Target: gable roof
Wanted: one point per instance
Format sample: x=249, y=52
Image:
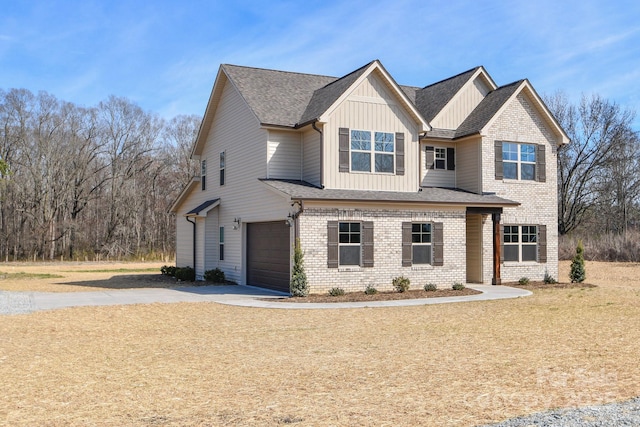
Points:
x=431, y=99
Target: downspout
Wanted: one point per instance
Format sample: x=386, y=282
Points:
x=321, y=153
x=194, y=241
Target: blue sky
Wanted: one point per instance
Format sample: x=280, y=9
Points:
x=164, y=55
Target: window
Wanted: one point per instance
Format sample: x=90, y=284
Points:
x=440, y=158
x=222, y=167
x=203, y=174
x=421, y=243
x=378, y=157
x=520, y=243
x=221, y=246
x=519, y=161
x=349, y=243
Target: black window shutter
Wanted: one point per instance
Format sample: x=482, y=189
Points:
x=542, y=243
x=541, y=164
x=399, y=153
x=451, y=159
x=438, y=244
x=407, y=256
x=501, y=244
x=343, y=142
x=430, y=155
x=367, y=244
x=498, y=156
x=332, y=244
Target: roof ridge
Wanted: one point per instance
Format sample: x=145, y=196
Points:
x=337, y=79
x=453, y=77
x=280, y=71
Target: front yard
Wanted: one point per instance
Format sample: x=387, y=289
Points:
x=439, y=365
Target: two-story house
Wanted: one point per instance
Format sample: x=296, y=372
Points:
x=452, y=182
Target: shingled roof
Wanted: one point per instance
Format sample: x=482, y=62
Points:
x=431, y=99
x=301, y=190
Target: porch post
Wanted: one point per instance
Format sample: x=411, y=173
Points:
x=497, y=244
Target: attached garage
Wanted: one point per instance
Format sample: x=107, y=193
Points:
x=268, y=255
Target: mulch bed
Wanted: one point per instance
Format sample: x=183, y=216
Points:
x=541, y=285
x=381, y=296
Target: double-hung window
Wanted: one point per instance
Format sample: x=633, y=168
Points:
x=221, y=244
x=222, y=167
x=520, y=243
x=376, y=157
x=440, y=158
x=421, y=243
x=349, y=243
x=203, y=174
x=519, y=161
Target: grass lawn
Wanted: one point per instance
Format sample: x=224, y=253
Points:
x=438, y=365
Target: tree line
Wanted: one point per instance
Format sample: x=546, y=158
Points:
x=89, y=182
x=97, y=182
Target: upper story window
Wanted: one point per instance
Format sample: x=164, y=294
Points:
x=222, y=167
x=203, y=174
x=377, y=157
x=519, y=161
x=442, y=158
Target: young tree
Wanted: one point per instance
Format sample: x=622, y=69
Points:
x=298, y=286
x=578, y=272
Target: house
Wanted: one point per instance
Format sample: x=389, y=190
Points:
x=452, y=182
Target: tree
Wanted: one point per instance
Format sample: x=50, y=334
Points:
x=578, y=273
x=298, y=285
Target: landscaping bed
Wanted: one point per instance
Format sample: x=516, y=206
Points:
x=381, y=296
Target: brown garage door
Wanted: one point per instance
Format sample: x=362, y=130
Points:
x=268, y=255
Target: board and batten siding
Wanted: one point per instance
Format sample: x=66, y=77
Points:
x=311, y=156
x=469, y=166
x=372, y=107
x=284, y=152
x=462, y=104
x=236, y=131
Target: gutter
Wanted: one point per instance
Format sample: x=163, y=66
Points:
x=194, y=241
x=313, y=125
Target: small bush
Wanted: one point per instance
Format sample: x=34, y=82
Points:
x=401, y=284
x=336, y=292
x=549, y=279
x=430, y=287
x=578, y=273
x=168, y=270
x=370, y=290
x=298, y=286
x=457, y=286
x=185, y=274
x=216, y=276
x=523, y=281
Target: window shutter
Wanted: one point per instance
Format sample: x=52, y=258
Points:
x=501, y=244
x=332, y=244
x=343, y=141
x=498, y=157
x=430, y=154
x=541, y=164
x=451, y=159
x=399, y=153
x=438, y=244
x=367, y=244
x=542, y=243
x=406, y=245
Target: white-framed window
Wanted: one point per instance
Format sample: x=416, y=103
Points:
x=519, y=161
x=421, y=252
x=349, y=243
x=377, y=157
x=222, y=167
x=440, y=158
x=203, y=174
x=221, y=244
x=520, y=243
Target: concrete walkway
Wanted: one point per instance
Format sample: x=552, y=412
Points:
x=245, y=296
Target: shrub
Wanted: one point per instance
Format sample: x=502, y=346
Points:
x=578, y=273
x=401, y=284
x=549, y=279
x=370, y=290
x=298, y=287
x=430, y=287
x=168, y=270
x=185, y=274
x=523, y=281
x=336, y=292
x=216, y=276
x=457, y=286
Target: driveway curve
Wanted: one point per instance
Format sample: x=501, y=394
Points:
x=238, y=295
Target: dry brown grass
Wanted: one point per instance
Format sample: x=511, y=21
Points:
x=438, y=365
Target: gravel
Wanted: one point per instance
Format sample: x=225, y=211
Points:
x=612, y=415
x=15, y=302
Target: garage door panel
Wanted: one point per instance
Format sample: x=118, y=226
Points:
x=268, y=255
